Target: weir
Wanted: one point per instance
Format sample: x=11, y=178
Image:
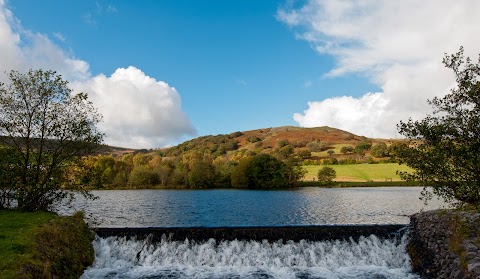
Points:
x=274, y=233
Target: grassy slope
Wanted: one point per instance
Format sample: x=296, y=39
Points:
x=16, y=238
x=360, y=172
x=42, y=244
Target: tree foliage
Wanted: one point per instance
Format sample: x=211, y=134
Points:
x=445, y=147
x=326, y=174
x=264, y=171
x=379, y=150
x=44, y=128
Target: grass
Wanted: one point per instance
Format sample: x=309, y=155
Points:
x=336, y=148
x=360, y=172
x=16, y=238
x=43, y=245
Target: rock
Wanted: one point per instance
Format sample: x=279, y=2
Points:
x=430, y=244
x=474, y=268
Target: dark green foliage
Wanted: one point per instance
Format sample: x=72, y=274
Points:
x=304, y=153
x=201, y=175
x=239, y=176
x=347, y=149
x=262, y=171
x=447, y=155
x=265, y=171
x=318, y=146
x=362, y=147
x=282, y=143
x=143, y=176
x=236, y=135
x=49, y=128
x=326, y=174
x=379, y=150
x=253, y=139
x=330, y=161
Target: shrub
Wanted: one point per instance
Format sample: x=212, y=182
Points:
x=326, y=174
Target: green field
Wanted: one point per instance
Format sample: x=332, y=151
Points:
x=360, y=172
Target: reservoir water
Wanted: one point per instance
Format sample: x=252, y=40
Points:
x=224, y=207
x=369, y=257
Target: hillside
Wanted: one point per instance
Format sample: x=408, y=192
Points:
x=287, y=153
x=272, y=140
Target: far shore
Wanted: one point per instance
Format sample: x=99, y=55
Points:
x=334, y=184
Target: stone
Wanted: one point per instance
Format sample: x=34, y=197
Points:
x=469, y=247
x=474, y=268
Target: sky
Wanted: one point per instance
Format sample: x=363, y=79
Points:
x=161, y=72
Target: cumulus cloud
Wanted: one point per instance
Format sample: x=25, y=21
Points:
x=398, y=45
x=138, y=111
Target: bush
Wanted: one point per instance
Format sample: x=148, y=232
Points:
x=253, y=139
x=379, y=150
x=347, y=149
x=326, y=174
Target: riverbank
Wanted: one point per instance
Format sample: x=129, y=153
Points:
x=43, y=245
x=445, y=244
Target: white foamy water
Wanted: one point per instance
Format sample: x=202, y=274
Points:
x=370, y=257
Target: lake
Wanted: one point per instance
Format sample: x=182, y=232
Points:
x=369, y=257
x=228, y=207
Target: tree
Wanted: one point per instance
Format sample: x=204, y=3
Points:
x=362, y=147
x=447, y=150
x=379, y=150
x=347, y=149
x=201, y=174
x=263, y=171
x=326, y=174
x=266, y=171
x=143, y=175
x=48, y=128
x=330, y=152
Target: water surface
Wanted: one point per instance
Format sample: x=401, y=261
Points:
x=225, y=207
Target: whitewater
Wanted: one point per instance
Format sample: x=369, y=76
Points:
x=369, y=257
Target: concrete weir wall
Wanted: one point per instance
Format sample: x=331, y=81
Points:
x=295, y=233
x=445, y=244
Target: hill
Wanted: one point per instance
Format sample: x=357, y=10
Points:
x=230, y=160
x=287, y=140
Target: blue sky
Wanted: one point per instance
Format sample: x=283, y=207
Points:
x=164, y=71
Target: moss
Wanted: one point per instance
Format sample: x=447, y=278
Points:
x=44, y=245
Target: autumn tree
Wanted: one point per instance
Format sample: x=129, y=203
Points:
x=447, y=153
x=47, y=128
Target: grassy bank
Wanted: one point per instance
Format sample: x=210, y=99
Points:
x=360, y=172
x=339, y=184
x=43, y=245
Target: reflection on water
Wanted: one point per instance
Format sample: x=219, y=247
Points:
x=225, y=207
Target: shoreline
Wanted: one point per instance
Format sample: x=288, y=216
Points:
x=301, y=184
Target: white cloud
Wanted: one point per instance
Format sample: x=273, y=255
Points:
x=398, y=45
x=138, y=110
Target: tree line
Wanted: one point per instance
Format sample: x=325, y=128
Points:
x=190, y=170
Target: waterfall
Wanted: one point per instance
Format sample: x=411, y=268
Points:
x=369, y=257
